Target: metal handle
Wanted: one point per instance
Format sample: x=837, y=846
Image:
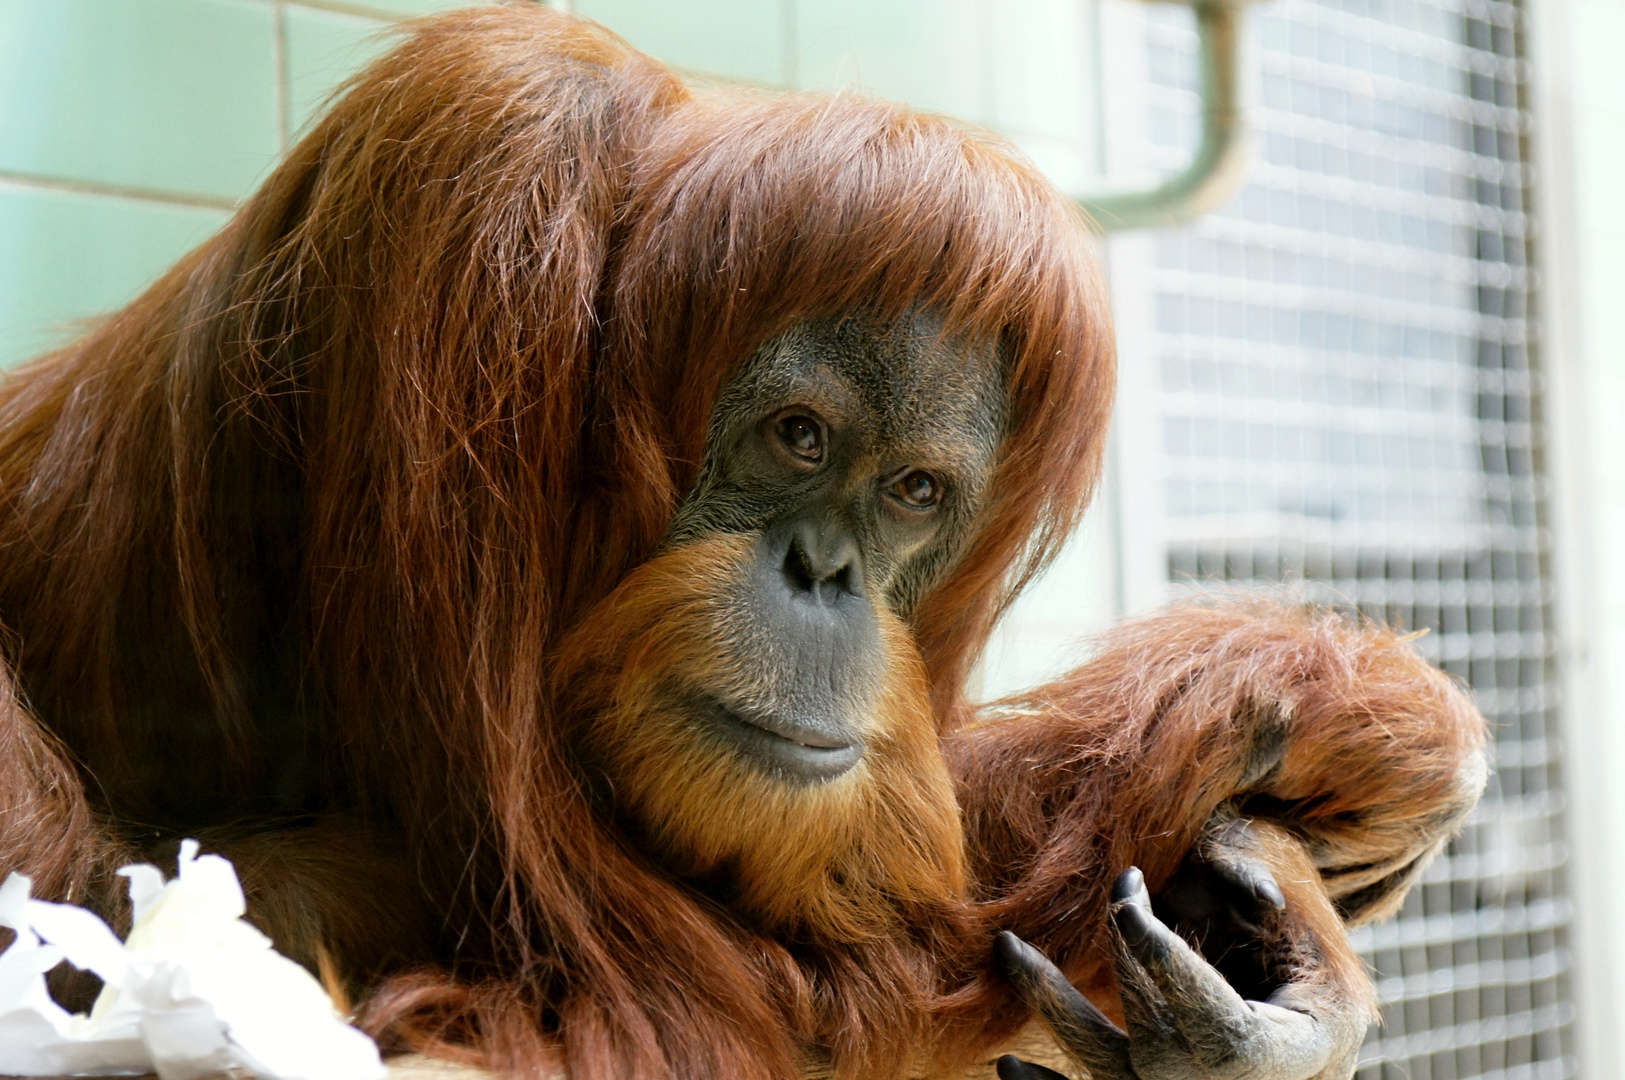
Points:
x=1220, y=163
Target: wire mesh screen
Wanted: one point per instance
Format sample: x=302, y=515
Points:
x=1349, y=398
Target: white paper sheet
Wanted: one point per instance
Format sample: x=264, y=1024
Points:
x=195, y=990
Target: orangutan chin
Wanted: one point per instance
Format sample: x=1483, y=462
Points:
x=543, y=540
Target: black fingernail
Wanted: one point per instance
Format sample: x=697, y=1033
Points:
x=1019, y=962
x=1269, y=892
x=1010, y=1067
x=1007, y=949
x=1133, y=921
x=1128, y=883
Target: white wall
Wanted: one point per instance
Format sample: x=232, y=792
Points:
x=1578, y=48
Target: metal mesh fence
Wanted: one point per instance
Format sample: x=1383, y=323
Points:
x=1349, y=397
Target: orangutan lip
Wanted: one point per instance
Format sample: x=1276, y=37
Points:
x=786, y=748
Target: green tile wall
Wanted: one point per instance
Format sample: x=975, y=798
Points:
x=173, y=95
x=68, y=255
x=1024, y=67
x=129, y=128
x=928, y=52
x=397, y=8
x=320, y=49
x=732, y=39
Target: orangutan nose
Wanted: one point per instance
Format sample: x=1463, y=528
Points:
x=821, y=562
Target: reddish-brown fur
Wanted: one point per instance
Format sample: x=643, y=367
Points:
x=385, y=465
x=1126, y=760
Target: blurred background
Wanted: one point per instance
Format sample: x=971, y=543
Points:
x=1388, y=373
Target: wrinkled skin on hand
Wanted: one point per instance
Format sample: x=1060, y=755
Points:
x=1239, y=968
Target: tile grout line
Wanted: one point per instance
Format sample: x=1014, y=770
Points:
x=10, y=178
x=368, y=11
x=344, y=7
x=279, y=58
x=789, y=46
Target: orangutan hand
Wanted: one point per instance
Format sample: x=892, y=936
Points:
x=1274, y=1008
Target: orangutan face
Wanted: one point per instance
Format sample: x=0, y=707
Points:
x=761, y=711
x=855, y=458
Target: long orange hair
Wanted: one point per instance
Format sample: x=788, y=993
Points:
x=356, y=467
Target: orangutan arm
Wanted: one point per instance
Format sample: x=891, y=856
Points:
x=1354, y=756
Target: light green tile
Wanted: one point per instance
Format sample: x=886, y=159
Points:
x=1042, y=636
x=1601, y=137
x=733, y=39
x=66, y=256
x=1599, y=34
x=323, y=49
x=935, y=54
x=1605, y=267
x=1611, y=518
x=177, y=95
x=414, y=7
x=1069, y=163
x=1041, y=66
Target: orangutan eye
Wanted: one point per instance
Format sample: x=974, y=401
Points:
x=918, y=489
x=803, y=436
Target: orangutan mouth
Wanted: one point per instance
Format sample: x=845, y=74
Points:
x=809, y=753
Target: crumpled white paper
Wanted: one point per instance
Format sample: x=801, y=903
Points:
x=194, y=991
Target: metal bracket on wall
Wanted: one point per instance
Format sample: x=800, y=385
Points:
x=1219, y=166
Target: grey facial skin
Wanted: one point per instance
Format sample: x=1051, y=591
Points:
x=857, y=456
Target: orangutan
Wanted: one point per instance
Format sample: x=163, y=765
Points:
x=543, y=540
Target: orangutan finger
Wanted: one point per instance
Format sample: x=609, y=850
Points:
x=1167, y=987
x=1233, y=853
x=1081, y=1029
x=1186, y=1020
x=1010, y=1067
